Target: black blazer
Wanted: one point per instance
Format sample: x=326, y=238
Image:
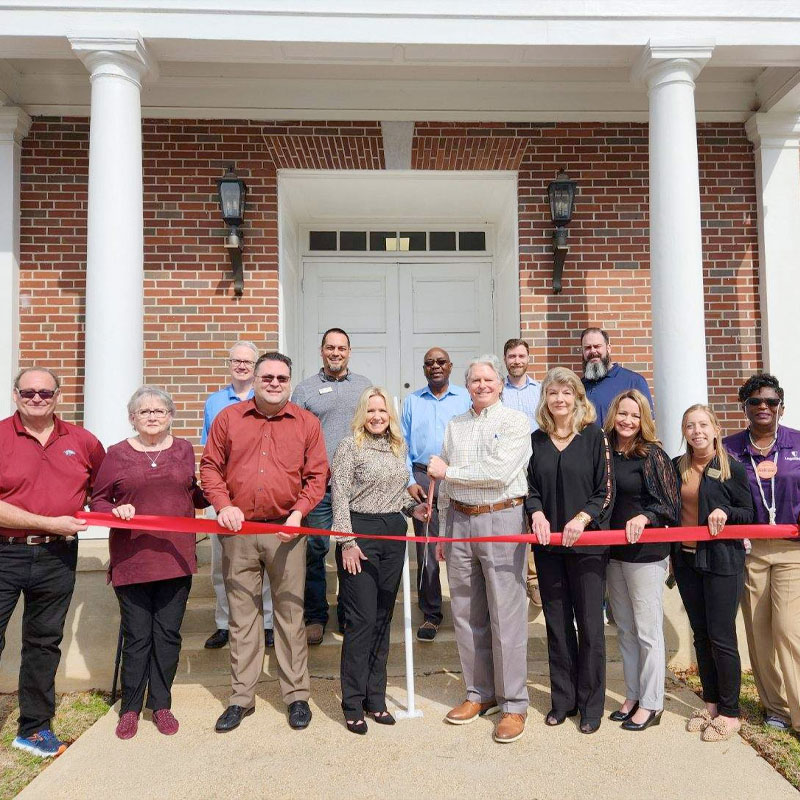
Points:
x=724, y=556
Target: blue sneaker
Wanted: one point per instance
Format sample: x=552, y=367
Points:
x=44, y=744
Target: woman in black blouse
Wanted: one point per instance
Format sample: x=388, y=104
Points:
x=570, y=489
x=647, y=494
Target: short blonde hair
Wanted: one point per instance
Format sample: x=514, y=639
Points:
x=685, y=461
x=584, y=413
x=646, y=435
x=394, y=434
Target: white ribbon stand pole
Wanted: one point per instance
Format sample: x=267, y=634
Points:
x=411, y=710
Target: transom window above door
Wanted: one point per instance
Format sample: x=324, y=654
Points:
x=353, y=240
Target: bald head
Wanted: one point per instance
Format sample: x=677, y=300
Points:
x=437, y=367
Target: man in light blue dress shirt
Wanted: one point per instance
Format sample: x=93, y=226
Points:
x=425, y=415
x=241, y=360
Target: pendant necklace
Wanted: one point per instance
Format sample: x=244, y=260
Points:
x=763, y=450
x=153, y=461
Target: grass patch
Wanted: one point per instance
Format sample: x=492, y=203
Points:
x=75, y=712
x=779, y=748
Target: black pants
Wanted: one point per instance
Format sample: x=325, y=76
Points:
x=572, y=586
x=711, y=602
x=45, y=575
x=429, y=585
x=368, y=600
x=151, y=614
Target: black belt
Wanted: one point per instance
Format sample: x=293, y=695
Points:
x=36, y=539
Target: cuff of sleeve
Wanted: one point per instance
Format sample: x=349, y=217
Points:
x=345, y=542
x=220, y=501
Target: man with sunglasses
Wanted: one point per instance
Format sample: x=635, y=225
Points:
x=424, y=418
x=241, y=360
x=265, y=461
x=46, y=471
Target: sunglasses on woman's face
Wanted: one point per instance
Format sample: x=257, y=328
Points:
x=755, y=402
x=29, y=394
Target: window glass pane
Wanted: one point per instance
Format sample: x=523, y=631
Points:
x=322, y=240
x=352, y=240
x=472, y=240
x=377, y=240
x=412, y=240
x=443, y=240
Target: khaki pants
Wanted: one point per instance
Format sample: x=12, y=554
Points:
x=771, y=605
x=244, y=560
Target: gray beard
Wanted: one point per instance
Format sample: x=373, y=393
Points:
x=596, y=370
x=335, y=368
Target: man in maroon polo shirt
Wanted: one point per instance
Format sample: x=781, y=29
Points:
x=265, y=460
x=46, y=469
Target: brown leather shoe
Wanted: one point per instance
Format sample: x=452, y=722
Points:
x=468, y=712
x=509, y=728
x=314, y=633
x=534, y=594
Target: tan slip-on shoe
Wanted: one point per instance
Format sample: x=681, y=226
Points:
x=509, y=728
x=698, y=721
x=719, y=731
x=468, y=712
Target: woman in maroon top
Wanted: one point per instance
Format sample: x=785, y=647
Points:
x=152, y=472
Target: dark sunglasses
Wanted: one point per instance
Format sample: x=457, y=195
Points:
x=755, y=402
x=270, y=378
x=442, y=362
x=29, y=394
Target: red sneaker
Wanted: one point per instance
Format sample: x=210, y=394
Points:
x=165, y=721
x=128, y=725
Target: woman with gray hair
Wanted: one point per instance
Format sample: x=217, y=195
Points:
x=152, y=472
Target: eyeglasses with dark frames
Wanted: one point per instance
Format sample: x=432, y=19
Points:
x=429, y=362
x=29, y=394
x=282, y=379
x=158, y=413
x=755, y=402
x=241, y=362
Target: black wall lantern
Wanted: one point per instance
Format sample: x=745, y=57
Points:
x=232, y=195
x=561, y=192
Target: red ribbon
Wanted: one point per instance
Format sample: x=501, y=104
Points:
x=143, y=522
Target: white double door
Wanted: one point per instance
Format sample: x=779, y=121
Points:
x=394, y=312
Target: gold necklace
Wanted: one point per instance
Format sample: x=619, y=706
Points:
x=559, y=438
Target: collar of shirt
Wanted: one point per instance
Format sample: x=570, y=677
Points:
x=486, y=412
x=233, y=397
x=59, y=428
x=528, y=382
x=427, y=390
x=253, y=411
x=330, y=378
x=785, y=441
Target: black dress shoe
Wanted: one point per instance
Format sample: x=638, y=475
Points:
x=299, y=715
x=589, y=725
x=554, y=717
x=231, y=718
x=217, y=639
x=621, y=716
x=269, y=637
x=653, y=719
x=382, y=717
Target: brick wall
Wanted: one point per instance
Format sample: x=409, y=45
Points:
x=191, y=314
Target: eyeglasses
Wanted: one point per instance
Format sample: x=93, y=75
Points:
x=29, y=394
x=241, y=362
x=755, y=402
x=429, y=362
x=282, y=379
x=158, y=413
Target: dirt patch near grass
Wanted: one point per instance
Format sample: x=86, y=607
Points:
x=779, y=748
x=75, y=712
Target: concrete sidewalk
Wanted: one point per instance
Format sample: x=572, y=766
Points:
x=416, y=758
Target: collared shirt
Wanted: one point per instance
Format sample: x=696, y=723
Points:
x=333, y=401
x=52, y=480
x=523, y=398
x=424, y=419
x=266, y=466
x=216, y=402
x=487, y=455
x=618, y=379
x=787, y=479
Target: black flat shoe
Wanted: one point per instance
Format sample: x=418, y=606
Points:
x=382, y=717
x=653, y=719
x=590, y=725
x=358, y=726
x=299, y=715
x=554, y=717
x=231, y=717
x=621, y=716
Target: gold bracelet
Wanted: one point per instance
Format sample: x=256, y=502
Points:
x=583, y=517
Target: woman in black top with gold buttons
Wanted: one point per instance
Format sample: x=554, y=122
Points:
x=647, y=495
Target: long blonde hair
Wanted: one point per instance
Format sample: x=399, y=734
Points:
x=685, y=461
x=584, y=413
x=393, y=433
x=645, y=436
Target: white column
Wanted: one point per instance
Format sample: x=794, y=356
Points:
x=676, y=258
x=114, y=249
x=14, y=126
x=776, y=140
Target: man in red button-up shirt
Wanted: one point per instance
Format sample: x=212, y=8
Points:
x=265, y=460
x=46, y=469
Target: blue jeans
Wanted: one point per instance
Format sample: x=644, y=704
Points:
x=316, y=602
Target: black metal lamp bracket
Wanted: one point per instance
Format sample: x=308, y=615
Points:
x=560, y=251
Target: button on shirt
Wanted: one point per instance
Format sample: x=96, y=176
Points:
x=52, y=480
x=523, y=398
x=333, y=402
x=424, y=419
x=266, y=466
x=216, y=402
x=487, y=455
